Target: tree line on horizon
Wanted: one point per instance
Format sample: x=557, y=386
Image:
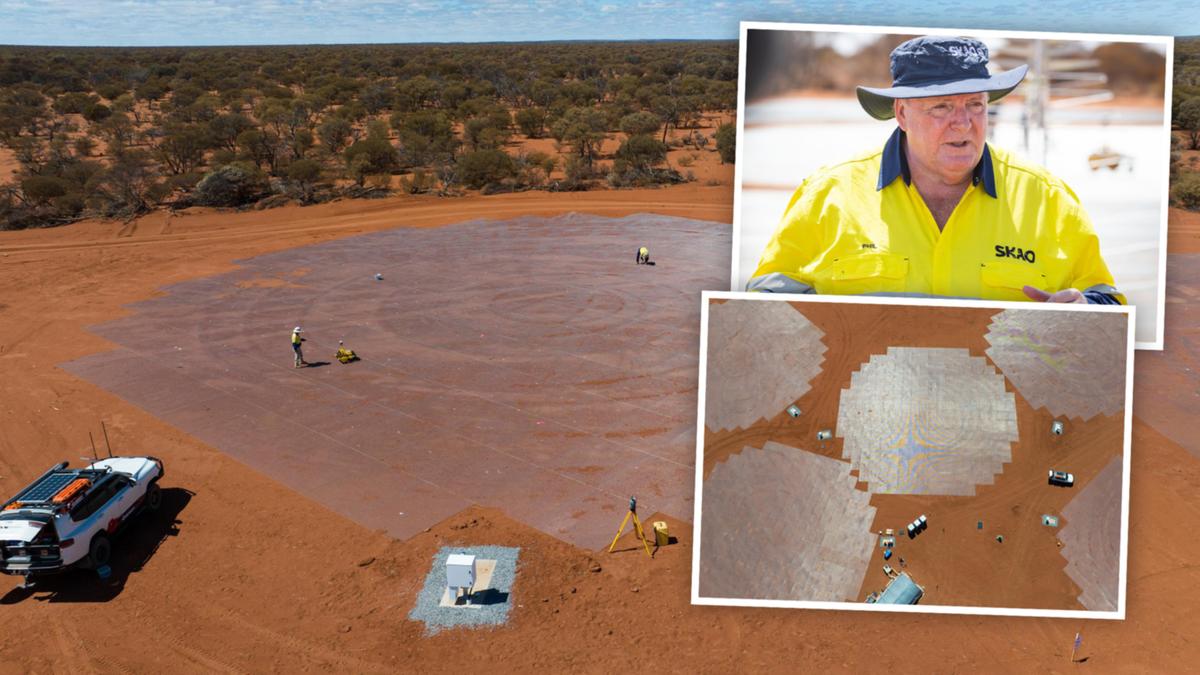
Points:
x=1185, y=117
x=116, y=132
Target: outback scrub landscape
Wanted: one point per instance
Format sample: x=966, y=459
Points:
x=119, y=132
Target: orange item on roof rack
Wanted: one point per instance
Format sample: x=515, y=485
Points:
x=13, y=506
x=73, y=488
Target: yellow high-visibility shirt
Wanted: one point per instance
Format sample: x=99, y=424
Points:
x=861, y=227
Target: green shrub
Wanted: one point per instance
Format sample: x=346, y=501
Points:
x=41, y=189
x=420, y=182
x=69, y=205
x=642, y=151
x=726, y=138
x=482, y=167
x=372, y=155
x=97, y=112
x=531, y=122
x=638, y=123
x=73, y=103
x=1185, y=192
x=231, y=185
x=304, y=170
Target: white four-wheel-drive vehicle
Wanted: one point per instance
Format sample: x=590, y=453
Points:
x=68, y=516
x=1061, y=478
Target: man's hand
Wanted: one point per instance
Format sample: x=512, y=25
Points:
x=1068, y=295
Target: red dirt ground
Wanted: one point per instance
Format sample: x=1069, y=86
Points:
x=1183, y=232
x=254, y=577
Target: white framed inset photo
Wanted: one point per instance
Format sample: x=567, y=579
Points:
x=887, y=454
x=972, y=164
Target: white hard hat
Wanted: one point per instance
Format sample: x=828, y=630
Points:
x=297, y=330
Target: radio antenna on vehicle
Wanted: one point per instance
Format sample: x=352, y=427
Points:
x=94, y=455
x=106, y=444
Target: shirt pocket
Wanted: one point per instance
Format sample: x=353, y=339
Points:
x=1005, y=279
x=864, y=273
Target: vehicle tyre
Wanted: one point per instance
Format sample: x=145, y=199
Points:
x=99, y=551
x=153, y=497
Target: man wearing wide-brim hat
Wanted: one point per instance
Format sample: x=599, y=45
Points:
x=937, y=211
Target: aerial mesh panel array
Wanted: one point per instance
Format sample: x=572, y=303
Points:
x=784, y=524
x=931, y=421
x=1092, y=539
x=1070, y=363
x=761, y=357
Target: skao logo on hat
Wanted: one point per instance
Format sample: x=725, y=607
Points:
x=938, y=66
x=969, y=55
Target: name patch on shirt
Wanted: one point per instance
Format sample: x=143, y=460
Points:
x=1014, y=252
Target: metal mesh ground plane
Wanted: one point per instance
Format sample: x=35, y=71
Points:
x=528, y=365
x=761, y=357
x=1092, y=539
x=1177, y=367
x=784, y=524
x=1070, y=363
x=929, y=421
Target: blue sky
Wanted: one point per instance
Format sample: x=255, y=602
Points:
x=216, y=22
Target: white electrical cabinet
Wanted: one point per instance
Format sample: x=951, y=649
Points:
x=460, y=572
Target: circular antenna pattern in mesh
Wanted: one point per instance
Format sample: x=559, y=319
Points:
x=762, y=355
x=928, y=421
x=1070, y=363
x=784, y=524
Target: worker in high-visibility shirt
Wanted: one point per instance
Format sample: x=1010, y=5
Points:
x=297, y=352
x=937, y=211
x=643, y=255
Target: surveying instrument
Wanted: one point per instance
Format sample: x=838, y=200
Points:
x=637, y=527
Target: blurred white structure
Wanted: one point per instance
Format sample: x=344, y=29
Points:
x=460, y=575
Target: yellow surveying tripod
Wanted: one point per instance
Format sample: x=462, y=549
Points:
x=637, y=527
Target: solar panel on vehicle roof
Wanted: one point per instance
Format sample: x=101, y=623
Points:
x=44, y=490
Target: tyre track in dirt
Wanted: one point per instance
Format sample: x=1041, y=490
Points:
x=326, y=658
x=72, y=652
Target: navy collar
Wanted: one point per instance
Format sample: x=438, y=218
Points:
x=895, y=164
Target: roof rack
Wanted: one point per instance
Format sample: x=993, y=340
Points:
x=55, y=487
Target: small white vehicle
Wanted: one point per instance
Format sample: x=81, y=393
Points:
x=1062, y=478
x=67, y=517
